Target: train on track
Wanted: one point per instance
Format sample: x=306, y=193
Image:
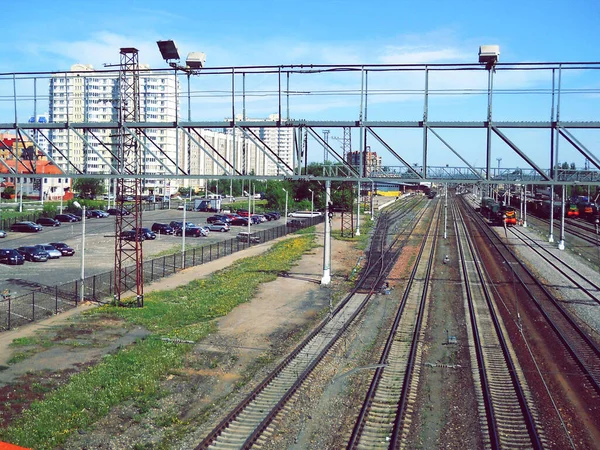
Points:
x=498, y=213
x=583, y=210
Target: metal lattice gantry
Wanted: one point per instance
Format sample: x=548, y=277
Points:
x=129, y=272
x=427, y=123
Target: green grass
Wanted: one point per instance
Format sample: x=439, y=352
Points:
x=133, y=374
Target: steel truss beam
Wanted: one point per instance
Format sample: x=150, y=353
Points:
x=131, y=129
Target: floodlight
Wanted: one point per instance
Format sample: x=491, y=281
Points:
x=168, y=50
x=489, y=54
x=195, y=60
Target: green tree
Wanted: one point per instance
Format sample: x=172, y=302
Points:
x=88, y=187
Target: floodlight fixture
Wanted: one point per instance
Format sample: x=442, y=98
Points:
x=488, y=55
x=168, y=50
x=195, y=60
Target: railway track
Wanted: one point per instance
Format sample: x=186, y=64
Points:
x=505, y=400
x=581, y=231
x=586, y=286
x=385, y=414
x=576, y=341
x=249, y=422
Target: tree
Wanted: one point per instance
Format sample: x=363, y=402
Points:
x=88, y=187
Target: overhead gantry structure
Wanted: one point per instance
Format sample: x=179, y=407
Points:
x=375, y=98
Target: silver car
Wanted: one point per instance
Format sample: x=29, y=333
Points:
x=218, y=226
x=2, y=234
x=53, y=252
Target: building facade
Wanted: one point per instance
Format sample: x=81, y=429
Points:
x=371, y=162
x=85, y=95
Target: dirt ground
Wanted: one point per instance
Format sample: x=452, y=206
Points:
x=266, y=327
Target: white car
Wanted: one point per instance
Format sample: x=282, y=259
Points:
x=2, y=234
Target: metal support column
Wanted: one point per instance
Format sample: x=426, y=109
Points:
x=327, y=244
x=129, y=273
x=561, y=243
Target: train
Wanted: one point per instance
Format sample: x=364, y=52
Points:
x=572, y=210
x=497, y=213
x=588, y=211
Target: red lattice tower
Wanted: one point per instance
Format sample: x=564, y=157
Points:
x=129, y=268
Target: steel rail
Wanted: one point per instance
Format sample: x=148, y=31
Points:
x=361, y=419
x=493, y=421
x=536, y=246
x=583, y=350
x=211, y=438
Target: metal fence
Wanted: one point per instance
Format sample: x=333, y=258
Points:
x=50, y=300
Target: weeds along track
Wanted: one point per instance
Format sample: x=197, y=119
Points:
x=586, y=286
x=251, y=421
x=385, y=414
x=576, y=341
x=506, y=410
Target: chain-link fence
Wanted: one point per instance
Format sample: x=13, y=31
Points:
x=50, y=300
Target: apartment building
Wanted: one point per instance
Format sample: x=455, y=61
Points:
x=279, y=140
x=87, y=95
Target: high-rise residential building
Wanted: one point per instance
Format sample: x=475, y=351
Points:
x=278, y=139
x=85, y=95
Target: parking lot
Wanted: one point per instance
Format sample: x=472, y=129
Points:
x=99, y=248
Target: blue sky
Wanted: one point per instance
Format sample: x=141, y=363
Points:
x=51, y=36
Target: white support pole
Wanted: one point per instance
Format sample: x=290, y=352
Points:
x=525, y=209
x=327, y=238
x=358, y=211
x=286, y=205
x=82, y=294
x=446, y=213
x=183, y=235
x=561, y=242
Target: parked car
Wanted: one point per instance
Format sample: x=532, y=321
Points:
x=47, y=222
x=244, y=236
x=11, y=256
x=243, y=221
x=53, y=252
x=175, y=224
x=162, y=228
x=218, y=218
x=31, y=253
x=65, y=218
x=148, y=234
x=191, y=231
x=118, y=212
x=63, y=248
x=26, y=227
x=2, y=234
x=79, y=214
x=75, y=216
x=243, y=212
x=131, y=235
x=218, y=226
x=98, y=213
